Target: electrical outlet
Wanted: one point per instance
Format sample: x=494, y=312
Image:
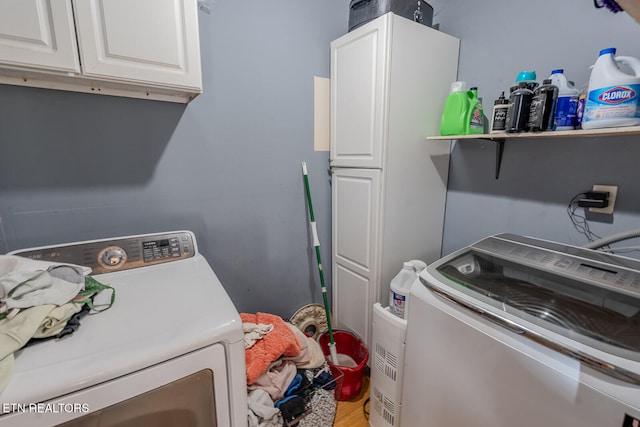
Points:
x=613, y=193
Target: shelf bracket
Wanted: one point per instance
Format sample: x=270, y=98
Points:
x=499, y=151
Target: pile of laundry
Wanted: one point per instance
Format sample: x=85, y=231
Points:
x=41, y=300
x=288, y=379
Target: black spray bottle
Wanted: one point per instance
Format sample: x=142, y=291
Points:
x=543, y=107
x=518, y=111
x=499, y=119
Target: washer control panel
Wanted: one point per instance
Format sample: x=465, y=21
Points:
x=600, y=268
x=123, y=253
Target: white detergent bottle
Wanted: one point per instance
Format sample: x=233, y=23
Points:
x=613, y=97
x=399, y=293
x=567, y=104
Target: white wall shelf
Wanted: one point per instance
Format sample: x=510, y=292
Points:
x=500, y=137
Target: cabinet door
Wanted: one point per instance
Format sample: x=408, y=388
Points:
x=358, y=95
x=147, y=41
x=355, y=231
x=38, y=34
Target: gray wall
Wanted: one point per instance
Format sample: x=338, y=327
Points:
x=227, y=166
x=538, y=177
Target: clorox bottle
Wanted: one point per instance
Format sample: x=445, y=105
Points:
x=613, y=97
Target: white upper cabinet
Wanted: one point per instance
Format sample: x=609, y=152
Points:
x=134, y=48
x=152, y=41
x=38, y=34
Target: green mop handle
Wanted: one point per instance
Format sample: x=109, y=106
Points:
x=316, y=244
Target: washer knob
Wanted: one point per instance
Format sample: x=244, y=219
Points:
x=113, y=256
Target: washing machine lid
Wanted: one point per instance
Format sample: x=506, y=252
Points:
x=161, y=311
x=585, y=295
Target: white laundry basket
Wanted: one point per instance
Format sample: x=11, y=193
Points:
x=387, y=366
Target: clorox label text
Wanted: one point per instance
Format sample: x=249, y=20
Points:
x=617, y=94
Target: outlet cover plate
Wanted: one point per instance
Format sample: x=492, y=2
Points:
x=613, y=193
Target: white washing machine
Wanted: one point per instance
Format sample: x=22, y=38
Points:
x=516, y=331
x=169, y=352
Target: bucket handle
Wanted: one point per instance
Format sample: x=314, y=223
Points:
x=632, y=62
x=345, y=330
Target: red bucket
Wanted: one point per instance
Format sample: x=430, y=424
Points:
x=352, y=346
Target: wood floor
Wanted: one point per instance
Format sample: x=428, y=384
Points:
x=351, y=413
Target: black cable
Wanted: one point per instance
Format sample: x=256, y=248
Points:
x=580, y=222
x=364, y=408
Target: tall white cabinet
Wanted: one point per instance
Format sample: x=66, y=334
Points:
x=389, y=81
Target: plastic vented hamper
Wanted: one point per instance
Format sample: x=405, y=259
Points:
x=387, y=365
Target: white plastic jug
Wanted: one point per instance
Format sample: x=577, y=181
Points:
x=613, y=97
x=399, y=292
x=567, y=104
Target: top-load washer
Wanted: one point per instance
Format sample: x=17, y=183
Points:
x=169, y=352
x=516, y=331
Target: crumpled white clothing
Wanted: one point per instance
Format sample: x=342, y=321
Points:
x=262, y=412
x=277, y=379
x=311, y=355
x=35, y=322
x=254, y=332
x=28, y=283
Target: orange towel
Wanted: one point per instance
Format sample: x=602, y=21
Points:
x=282, y=341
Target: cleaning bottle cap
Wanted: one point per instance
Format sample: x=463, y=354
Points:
x=558, y=71
x=458, y=86
x=501, y=100
x=608, y=50
x=526, y=76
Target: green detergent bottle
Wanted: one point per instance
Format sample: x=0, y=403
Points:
x=475, y=113
x=455, y=116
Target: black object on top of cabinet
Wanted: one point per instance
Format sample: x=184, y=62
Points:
x=363, y=11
